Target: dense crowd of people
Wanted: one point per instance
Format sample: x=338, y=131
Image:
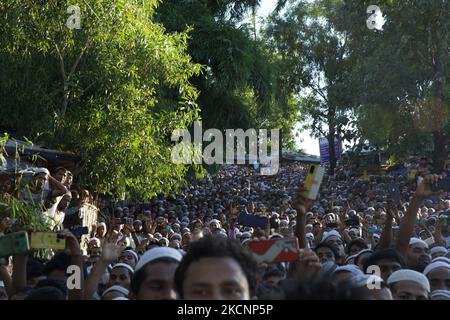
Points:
x=378, y=237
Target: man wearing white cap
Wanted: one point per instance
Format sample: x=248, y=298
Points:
x=121, y=275
x=408, y=284
x=440, y=295
x=154, y=275
x=415, y=250
x=115, y=292
x=129, y=257
x=418, y=255
x=438, y=251
x=438, y=274
x=334, y=238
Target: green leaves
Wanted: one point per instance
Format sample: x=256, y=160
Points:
x=108, y=92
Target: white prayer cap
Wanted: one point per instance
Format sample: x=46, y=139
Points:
x=365, y=279
x=441, y=259
x=120, y=298
x=41, y=170
x=350, y=258
x=157, y=253
x=409, y=275
x=327, y=235
x=214, y=221
x=354, y=270
x=309, y=225
x=416, y=242
x=123, y=265
x=246, y=234
x=120, y=289
x=275, y=235
x=440, y=293
x=438, y=249
x=136, y=257
x=436, y=265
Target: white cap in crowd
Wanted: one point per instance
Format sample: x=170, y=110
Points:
x=120, y=289
x=409, y=275
x=416, y=242
x=436, y=265
x=157, y=253
x=329, y=234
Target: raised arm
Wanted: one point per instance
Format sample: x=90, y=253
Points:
x=301, y=205
x=6, y=278
x=408, y=222
x=111, y=252
x=438, y=232
x=58, y=189
x=386, y=235
x=75, y=253
x=19, y=276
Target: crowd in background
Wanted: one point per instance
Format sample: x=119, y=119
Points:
x=376, y=237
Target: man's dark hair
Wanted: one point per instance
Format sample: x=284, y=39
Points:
x=273, y=273
x=268, y=291
x=59, y=169
x=139, y=276
x=35, y=268
x=329, y=246
x=45, y=293
x=213, y=246
x=58, y=284
x=384, y=254
x=60, y=261
x=357, y=242
x=319, y=288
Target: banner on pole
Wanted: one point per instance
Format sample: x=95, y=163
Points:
x=324, y=152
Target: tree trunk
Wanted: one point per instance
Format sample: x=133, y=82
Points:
x=439, y=114
x=331, y=136
x=440, y=152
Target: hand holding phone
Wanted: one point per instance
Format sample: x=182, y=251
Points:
x=313, y=181
x=47, y=240
x=14, y=244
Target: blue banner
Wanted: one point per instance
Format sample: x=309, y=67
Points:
x=324, y=152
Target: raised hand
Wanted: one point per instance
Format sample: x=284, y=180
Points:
x=112, y=250
x=423, y=190
x=300, y=203
x=308, y=264
x=71, y=242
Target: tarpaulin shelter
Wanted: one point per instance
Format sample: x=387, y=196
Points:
x=31, y=155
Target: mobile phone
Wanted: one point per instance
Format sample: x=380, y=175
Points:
x=441, y=185
x=249, y=220
x=313, y=181
x=78, y=232
x=13, y=244
x=47, y=240
x=276, y=250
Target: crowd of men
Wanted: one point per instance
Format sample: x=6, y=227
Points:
x=377, y=237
